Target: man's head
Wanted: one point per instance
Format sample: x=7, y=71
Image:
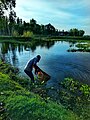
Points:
x=39, y=57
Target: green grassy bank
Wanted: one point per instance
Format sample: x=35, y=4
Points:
x=18, y=103
x=69, y=37
x=46, y=38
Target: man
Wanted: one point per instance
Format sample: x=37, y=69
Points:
x=30, y=65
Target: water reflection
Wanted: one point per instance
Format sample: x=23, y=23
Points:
x=56, y=61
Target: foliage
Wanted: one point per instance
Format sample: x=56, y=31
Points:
x=76, y=32
x=85, y=47
x=27, y=34
x=7, y=5
x=76, y=96
x=22, y=104
x=7, y=68
x=16, y=24
x=15, y=34
x=75, y=86
x=4, y=25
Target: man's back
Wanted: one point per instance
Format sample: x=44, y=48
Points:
x=30, y=64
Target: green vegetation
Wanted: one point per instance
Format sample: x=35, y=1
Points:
x=81, y=47
x=85, y=46
x=7, y=5
x=76, y=32
x=76, y=96
x=28, y=34
x=7, y=21
x=17, y=102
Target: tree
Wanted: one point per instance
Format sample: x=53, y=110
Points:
x=76, y=32
x=4, y=25
x=42, y=29
x=19, y=26
x=19, y=21
x=38, y=29
x=12, y=17
x=81, y=32
x=1, y=10
x=33, y=25
x=6, y=5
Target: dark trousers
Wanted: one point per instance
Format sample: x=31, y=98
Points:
x=30, y=74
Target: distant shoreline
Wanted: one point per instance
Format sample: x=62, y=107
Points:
x=44, y=38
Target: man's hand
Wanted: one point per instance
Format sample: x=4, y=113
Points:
x=36, y=71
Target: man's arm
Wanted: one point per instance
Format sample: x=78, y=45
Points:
x=36, y=69
x=35, y=65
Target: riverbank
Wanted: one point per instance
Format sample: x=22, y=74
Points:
x=18, y=102
x=74, y=96
x=83, y=43
x=45, y=38
x=69, y=37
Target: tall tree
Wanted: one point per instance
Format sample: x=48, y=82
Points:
x=7, y=5
x=76, y=32
x=12, y=17
x=33, y=25
x=42, y=29
x=38, y=29
x=81, y=32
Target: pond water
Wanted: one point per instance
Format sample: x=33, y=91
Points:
x=55, y=60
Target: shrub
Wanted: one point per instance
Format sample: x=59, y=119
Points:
x=27, y=34
x=15, y=34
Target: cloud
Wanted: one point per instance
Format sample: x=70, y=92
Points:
x=62, y=14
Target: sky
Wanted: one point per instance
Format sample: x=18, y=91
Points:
x=62, y=14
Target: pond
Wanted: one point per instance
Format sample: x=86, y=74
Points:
x=55, y=59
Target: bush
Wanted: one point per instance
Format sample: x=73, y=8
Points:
x=27, y=34
x=76, y=96
x=15, y=34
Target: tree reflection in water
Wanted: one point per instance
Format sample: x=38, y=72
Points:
x=12, y=48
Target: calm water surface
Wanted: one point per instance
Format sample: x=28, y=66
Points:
x=56, y=61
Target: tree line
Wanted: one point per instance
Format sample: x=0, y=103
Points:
x=15, y=26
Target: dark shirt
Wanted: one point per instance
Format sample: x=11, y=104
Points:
x=30, y=64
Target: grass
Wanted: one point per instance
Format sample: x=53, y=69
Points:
x=20, y=104
x=45, y=38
